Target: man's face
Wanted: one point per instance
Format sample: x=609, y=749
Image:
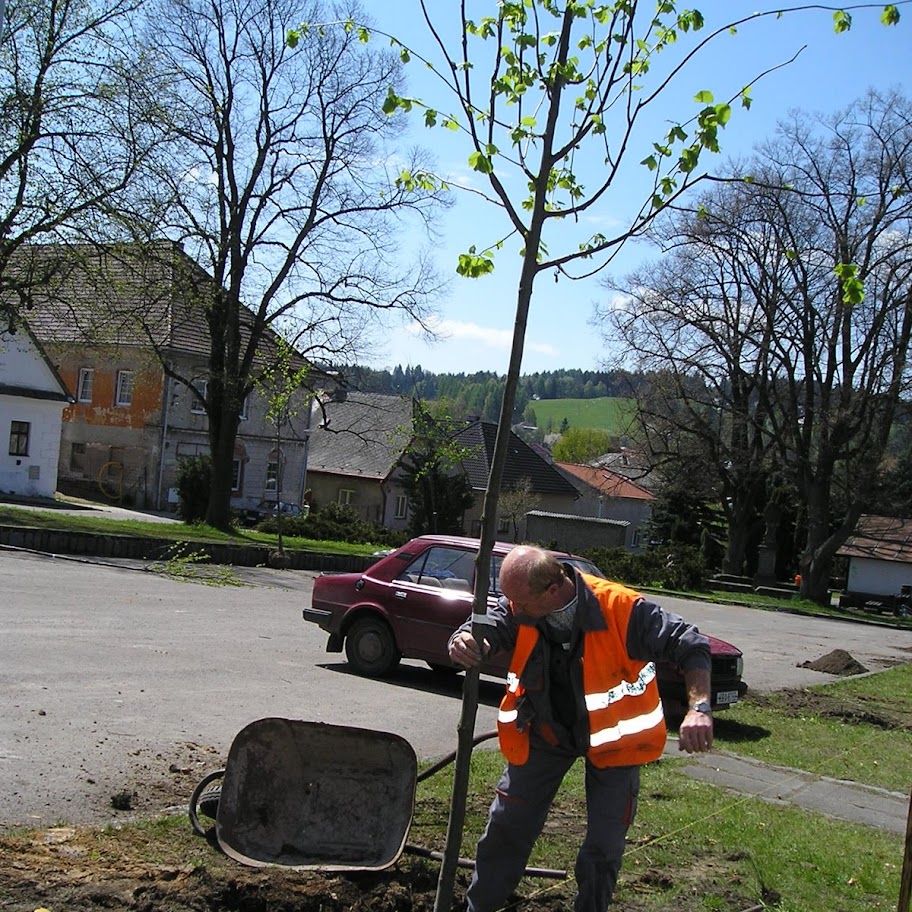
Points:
x=535, y=605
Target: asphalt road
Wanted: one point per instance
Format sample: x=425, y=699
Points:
x=116, y=679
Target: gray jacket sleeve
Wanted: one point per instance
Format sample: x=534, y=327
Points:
x=500, y=632
x=654, y=634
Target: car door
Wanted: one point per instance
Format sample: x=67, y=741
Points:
x=429, y=599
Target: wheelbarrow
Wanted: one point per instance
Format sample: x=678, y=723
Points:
x=317, y=797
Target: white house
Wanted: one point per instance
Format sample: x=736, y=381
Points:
x=879, y=552
x=32, y=399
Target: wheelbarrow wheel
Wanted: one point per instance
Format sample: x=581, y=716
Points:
x=205, y=800
x=371, y=648
x=209, y=802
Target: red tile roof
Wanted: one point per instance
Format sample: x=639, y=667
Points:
x=612, y=484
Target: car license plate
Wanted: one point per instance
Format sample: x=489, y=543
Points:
x=727, y=696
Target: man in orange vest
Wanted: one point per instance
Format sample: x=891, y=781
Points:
x=582, y=683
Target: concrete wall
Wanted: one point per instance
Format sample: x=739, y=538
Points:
x=574, y=533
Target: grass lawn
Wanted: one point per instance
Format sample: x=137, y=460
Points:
x=92, y=522
x=605, y=413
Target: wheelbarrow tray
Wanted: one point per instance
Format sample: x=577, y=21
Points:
x=312, y=796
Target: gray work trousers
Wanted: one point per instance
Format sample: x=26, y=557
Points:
x=518, y=812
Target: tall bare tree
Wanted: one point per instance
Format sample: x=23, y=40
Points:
x=77, y=122
x=698, y=321
x=782, y=314
x=281, y=187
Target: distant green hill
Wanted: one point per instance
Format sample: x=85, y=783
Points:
x=606, y=413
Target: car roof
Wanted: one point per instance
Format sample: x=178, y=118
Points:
x=461, y=541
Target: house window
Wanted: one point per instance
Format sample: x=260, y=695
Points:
x=84, y=389
x=346, y=496
x=198, y=400
x=401, y=506
x=124, y=392
x=636, y=538
x=272, y=476
x=19, y=438
x=503, y=524
x=236, y=474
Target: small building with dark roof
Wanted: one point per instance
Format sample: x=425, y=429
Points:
x=356, y=442
x=524, y=470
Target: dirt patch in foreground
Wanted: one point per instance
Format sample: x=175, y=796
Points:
x=68, y=870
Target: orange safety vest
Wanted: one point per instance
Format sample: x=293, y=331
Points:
x=626, y=722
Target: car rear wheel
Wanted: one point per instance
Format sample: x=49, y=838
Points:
x=370, y=648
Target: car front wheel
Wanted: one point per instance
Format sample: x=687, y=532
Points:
x=370, y=648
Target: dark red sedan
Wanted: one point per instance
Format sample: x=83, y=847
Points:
x=409, y=603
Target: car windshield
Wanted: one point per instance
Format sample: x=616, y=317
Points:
x=584, y=566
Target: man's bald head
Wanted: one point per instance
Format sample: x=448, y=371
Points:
x=534, y=581
x=533, y=566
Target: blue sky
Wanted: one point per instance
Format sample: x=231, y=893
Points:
x=476, y=317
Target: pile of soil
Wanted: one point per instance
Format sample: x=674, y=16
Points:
x=837, y=662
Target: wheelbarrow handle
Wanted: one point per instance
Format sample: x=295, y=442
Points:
x=449, y=758
x=469, y=863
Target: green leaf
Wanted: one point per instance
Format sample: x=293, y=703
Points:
x=842, y=21
x=391, y=102
x=364, y=35
x=861, y=201
x=480, y=162
x=704, y=97
x=650, y=162
x=890, y=15
x=430, y=118
x=746, y=99
x=852, y=286
x=404, y=55
x=689, y=159
x=292, y=37
x=474, y=266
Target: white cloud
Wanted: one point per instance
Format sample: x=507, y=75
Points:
x=501, y=339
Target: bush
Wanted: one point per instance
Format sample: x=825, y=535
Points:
x=673, y=566
x=335, y=523
x=193, y=478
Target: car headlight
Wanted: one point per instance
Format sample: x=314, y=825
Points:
x=739, y=666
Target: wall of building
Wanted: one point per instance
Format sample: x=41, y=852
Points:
x=106, y=449
x=878, y=577
x=366, y=497
x=34, y=474
x=27, y=378
x=131, y=453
